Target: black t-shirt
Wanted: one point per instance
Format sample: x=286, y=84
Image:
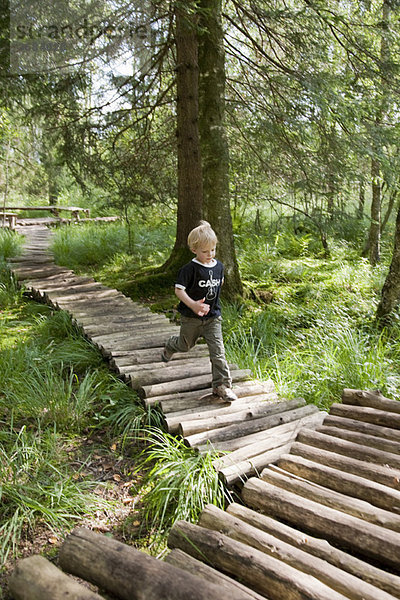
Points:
x=201, y=281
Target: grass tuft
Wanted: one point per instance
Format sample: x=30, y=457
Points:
x=180, y=482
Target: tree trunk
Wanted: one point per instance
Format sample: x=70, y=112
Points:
x=190, y=186
x=361, y=200
x=390, y=295
x=214, y=144
x=374, y=240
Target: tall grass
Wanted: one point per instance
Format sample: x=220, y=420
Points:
x=180, y=482
x=106, y=249
x=10, y=244
x=318, y=334
x=36, y=487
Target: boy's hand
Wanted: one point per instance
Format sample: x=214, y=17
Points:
x=200, y=308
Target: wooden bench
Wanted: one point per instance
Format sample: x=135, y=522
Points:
x=55, y=210
x=10, y=217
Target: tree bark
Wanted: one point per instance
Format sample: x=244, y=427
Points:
x=337, y=500
x=372, y=399
x=348, y=448
x=190, y=183
x=350, y=484
x=390, y=295
x=265, y=574
x=130, y=574
x=214, y=144
x=380, y=474
x=374, y=240
x=351, y=587
x=36, y=578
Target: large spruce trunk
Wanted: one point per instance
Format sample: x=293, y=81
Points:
x=214, y=144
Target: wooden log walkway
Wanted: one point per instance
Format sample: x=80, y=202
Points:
x=255, y=429
x=319, y=516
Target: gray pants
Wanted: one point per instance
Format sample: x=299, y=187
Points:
x=211, y=330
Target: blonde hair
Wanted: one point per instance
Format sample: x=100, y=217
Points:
x=202, y=236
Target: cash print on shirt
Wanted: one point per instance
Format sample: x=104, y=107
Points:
x=211, y=285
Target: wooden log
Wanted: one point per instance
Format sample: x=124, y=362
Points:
x=347, y=483
x=56, y=279
x=235, y=431
x=173, y=420
x=143, y=356
x=347, y=504
x=363, y=439
x=100, y=305
x=69, y=288
x=38, y=272
x=268, y=439
x=366, y=539
x=130, y=574
x=208, y=422
x=370, y=415
x=132, y=333
x=243, y=470
x=254, y=438
x=184, y=561
x=363, y=427
x=135, y=313
x=36, y=578
x=185, y=385
x=264, y=574
x=113, y=324
x=169, y=373
x=71, y=299
x=385, y=475
x=194, y=399
x=103, y=310
x=356, y=451
x=66, y=280
x=320, y=548
x=342, y=582
x=149, y=341
x=373, y=399
x=157, y=365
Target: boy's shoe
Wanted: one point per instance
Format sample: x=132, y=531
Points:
x=225, y=392
x=166, y=355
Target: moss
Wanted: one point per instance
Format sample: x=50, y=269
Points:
x=158, y=283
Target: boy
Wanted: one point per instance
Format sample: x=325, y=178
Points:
x=198, y=287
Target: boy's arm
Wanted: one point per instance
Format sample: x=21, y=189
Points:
x=197, y=306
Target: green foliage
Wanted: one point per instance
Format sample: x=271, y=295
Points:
x=123, y=416
x=105, y=248
x=180, y=482
x=317, y=333
x=89, y=245
x=36, y=486
x=10, y=244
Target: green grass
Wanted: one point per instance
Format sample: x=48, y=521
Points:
x=180, y=482
x=103, y=249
